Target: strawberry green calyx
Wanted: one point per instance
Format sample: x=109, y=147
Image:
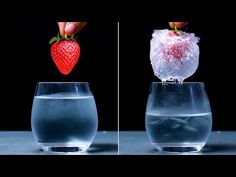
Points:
x=176, y=30
x=58, y=38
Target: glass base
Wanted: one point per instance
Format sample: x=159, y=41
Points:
x=178, y=148
x=63, y=148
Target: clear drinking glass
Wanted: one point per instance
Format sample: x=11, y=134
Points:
x=64, y=116
x=178, y=116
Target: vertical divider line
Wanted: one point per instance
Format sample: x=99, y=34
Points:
x=118, y=85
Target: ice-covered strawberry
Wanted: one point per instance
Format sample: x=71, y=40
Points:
x=174, y=55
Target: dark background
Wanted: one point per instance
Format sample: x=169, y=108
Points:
x=216, y=68
x=26, y=60
x=216, y=45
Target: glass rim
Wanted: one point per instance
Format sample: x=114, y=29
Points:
x=62, y=82
x=177, y=83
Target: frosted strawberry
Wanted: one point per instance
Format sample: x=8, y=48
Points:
x=65, y=53
x=174, y=54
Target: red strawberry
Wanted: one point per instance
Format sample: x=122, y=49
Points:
x=65, y=54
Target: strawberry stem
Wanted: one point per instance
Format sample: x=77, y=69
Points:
x=176, y=29
x=58, y=38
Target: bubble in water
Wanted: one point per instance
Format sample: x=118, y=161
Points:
x=174, y=56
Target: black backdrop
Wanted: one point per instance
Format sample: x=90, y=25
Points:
x=27, y=60
x=216, y=69
x=19, y=53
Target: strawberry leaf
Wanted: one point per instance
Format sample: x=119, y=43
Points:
x=53, y=40
x=58, y=37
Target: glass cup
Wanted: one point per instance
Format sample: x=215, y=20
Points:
x=178, y=116
x=64, y=116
